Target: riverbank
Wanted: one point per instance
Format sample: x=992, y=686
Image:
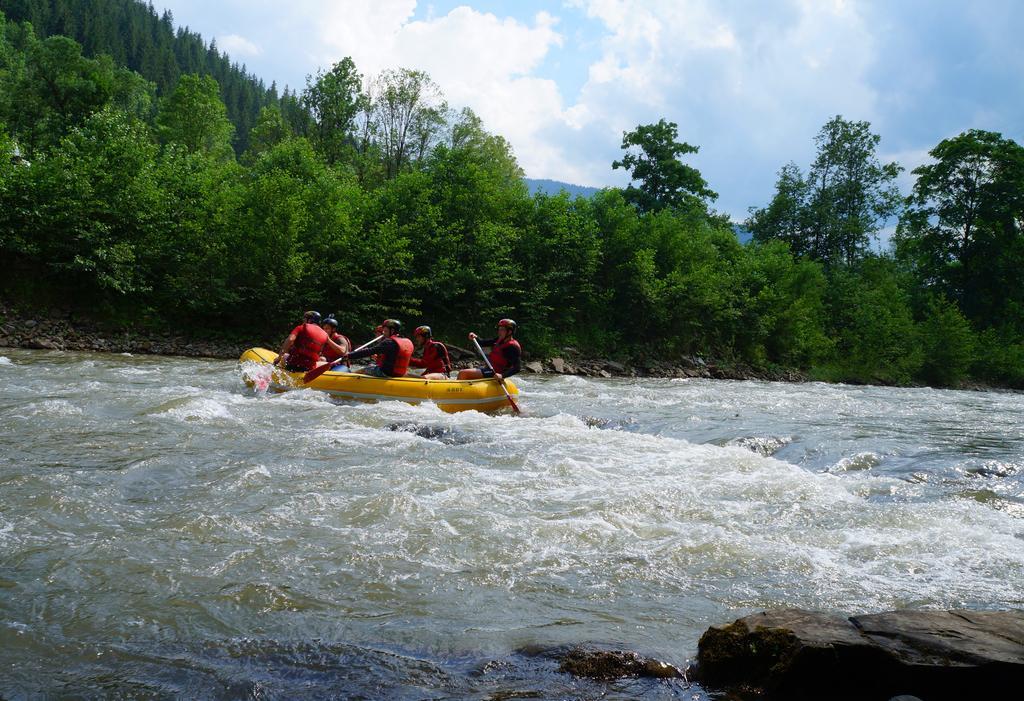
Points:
x=61, y=332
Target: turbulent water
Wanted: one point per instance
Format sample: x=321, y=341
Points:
x=166, y=532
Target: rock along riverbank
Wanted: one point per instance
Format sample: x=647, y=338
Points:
x=66, y=334
x=930, y=655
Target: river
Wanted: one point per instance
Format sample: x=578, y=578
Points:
x=167, y=533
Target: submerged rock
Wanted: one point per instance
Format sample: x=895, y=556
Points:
x=798, y=654
x=614, y=664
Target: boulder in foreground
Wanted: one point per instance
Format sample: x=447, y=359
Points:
x=796, y=654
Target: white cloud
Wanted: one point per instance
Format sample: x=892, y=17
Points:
x=750, y=83
x=237, y=46
x=478, y=59
x=751, y=86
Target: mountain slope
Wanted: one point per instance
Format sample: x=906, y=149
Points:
x=553, y=187
x=135, y=36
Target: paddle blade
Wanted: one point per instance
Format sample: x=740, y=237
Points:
x=316, y=372
x=515, y=407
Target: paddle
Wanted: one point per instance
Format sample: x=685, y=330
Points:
x=318, y=371
x=515, y=408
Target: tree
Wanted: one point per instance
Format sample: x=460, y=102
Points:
x=409, y=115
x=870, y=319
x=948, y=344
x=852, y=193
x=665, y=181
x=785, y=218
x=334, y=99
x=963, y=232
x=194, y=116
x=87, y=210
x=847, y=197
x=270, y=130
x=58, y=89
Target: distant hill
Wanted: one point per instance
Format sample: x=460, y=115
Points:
x=553, y=187
x=134, y=35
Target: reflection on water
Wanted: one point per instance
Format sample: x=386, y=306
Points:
x=165, y=532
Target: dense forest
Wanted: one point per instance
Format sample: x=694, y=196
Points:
x=132, y=196
x=135, y=37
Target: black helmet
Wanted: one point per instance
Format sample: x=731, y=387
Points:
x=423, y=331
x=508, y=324
x=394, y=324
x=311, y=317
x=330, y=320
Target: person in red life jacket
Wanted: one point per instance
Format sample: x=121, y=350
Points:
x=393, y=352
x=435, y=355
x=506, y=355
x=301, y=351
x=330, y=326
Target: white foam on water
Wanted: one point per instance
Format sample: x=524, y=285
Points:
x=196, y=408
x=6, y=529
x=135, y=371
x=616, y=508
x=254, y=476
x=4, y=360
x=860, y=461
x=54, y=407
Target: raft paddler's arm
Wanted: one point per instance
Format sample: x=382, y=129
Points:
x=285, y=347
x=339, y=349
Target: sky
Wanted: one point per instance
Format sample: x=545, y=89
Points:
x=748, y=82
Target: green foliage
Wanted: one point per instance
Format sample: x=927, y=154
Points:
x=406, y=116
x=136, y=37
x=271, y=129
x=194, y=117
x=832, y=214
x=86, y=211
x=999, y=358
x=786, y=218
x=784, y=318
x=963, y=232
x=387, y=203
x=948, y=344
x=870, y=318
x=57, y=90
x=665, y=181
x=334, y=99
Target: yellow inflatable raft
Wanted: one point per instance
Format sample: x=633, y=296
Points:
x=449, y=395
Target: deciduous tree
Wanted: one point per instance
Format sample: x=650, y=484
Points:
x=653, y=160
x=194, y=116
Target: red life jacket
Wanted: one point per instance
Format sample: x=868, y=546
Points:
x=497, y=355
x=405, y=349
x=435, y=358
x=331, y=354
x=309, y=341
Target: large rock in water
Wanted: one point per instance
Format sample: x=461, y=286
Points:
x=795, y=654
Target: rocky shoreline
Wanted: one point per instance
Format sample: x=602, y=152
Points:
x=793, y=654
x=64, y=334
x=908, y=654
